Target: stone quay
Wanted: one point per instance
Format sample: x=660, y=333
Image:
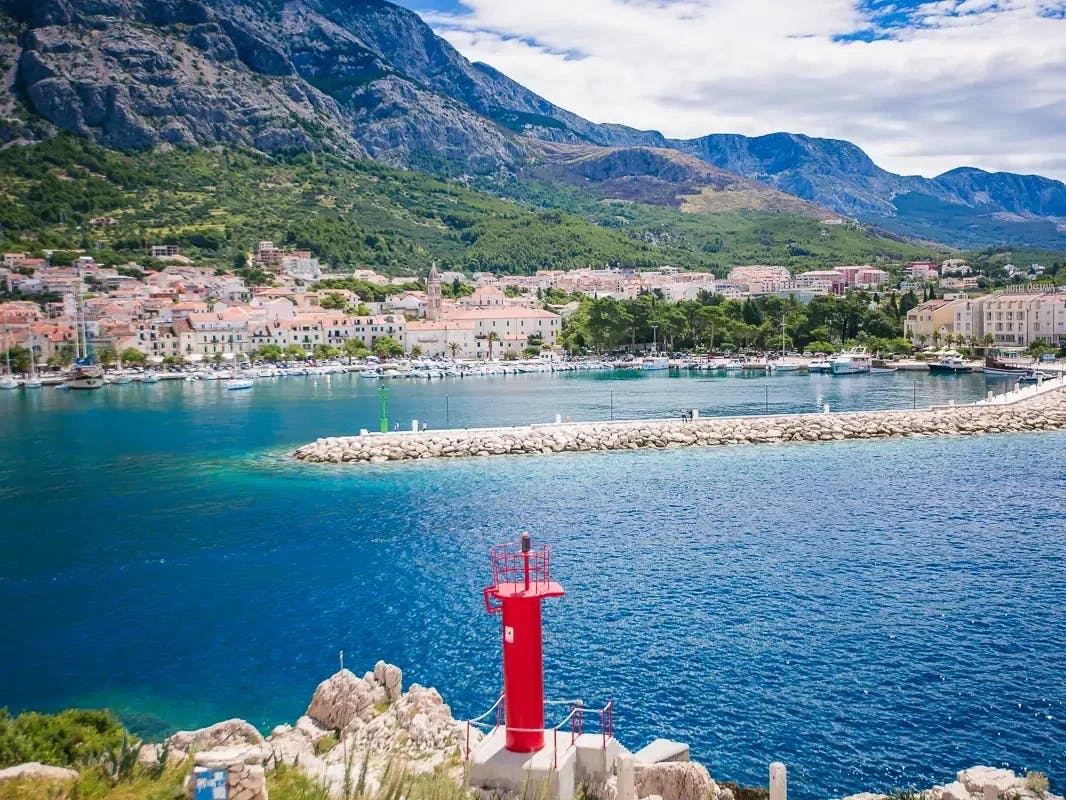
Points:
x=1031, y=409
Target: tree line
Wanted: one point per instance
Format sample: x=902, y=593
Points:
x=714, y=323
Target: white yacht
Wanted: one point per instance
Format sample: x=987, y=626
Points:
x=851, y=362
x=656, y=362
x=819, y=365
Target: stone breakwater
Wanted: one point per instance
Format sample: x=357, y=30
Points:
x=1042, y=412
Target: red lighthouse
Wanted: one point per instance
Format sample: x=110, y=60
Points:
x=521, y=578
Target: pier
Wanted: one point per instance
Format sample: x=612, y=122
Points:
x=1034, y=408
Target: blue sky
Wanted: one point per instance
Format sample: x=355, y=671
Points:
x=921, y=86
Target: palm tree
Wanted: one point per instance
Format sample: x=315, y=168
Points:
x=492, y=337
x=454, y=348
x=352, y=348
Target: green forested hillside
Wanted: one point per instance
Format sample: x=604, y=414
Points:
x=725, y=239
x=217, y=203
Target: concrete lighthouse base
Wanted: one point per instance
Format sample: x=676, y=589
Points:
x=556, y=772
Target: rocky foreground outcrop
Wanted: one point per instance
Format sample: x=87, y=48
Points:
x=360, y=726
x=981, y=783
x=350, y=720
x=1043, y=412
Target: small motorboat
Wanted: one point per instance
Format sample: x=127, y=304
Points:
x=1033, y=376
x=950, y=365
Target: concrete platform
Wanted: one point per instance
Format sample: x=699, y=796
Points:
x=492, y=766
x=662, y=750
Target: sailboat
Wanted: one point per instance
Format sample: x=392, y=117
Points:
x=85, y=373
x=236, y=382
x=120, y=376
x=781, y=366
x=32, y=382
x=8, y=381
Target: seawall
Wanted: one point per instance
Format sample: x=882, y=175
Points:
x=1036, y=409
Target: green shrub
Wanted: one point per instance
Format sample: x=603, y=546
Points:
x=325, y=744
x=288, y=783
x=1036, y=782
x=65, y=740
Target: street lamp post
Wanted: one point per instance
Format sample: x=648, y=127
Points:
x=914, y=399
x=383, y=394
x=447, y=411
x=612, y=405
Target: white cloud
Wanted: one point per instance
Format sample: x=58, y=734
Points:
x=942, y=84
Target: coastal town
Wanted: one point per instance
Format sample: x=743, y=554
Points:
x=286, y=306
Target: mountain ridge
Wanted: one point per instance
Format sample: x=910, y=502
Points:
x=369, y=78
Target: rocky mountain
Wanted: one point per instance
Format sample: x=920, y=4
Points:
x=368, y=78
x=658, y=176
x=966, y=206
x=834, y=173
x=364, y=77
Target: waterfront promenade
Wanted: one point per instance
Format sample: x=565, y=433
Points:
x=1035, y=408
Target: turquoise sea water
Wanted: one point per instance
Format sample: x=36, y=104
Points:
x=876, y=614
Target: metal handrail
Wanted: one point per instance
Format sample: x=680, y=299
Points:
x=577, y=713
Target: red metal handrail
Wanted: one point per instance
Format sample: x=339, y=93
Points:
x=512, y=564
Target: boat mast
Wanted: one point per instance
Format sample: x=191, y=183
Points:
x=77, y=317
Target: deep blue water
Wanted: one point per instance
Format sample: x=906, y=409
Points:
x=876, y=615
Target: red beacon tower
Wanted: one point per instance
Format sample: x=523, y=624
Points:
x=521, y=579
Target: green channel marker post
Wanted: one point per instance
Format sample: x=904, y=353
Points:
x=384, y=416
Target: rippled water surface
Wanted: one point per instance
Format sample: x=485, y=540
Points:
x=876, y=615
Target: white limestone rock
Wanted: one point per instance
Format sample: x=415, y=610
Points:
x=675, y=780
x=36, y=771
x=343, y=701
x=221, y=734
x=955, y=791
x=975, y=779
x=391, y=678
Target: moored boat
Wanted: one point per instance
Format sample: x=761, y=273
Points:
x=1000, y=369
x=8, y=380
x=819, y=365
x=950, y=365
x=851, y=362
x=85, y=375
x=1032, y=376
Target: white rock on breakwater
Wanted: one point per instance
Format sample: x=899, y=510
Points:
x=1040, y=413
